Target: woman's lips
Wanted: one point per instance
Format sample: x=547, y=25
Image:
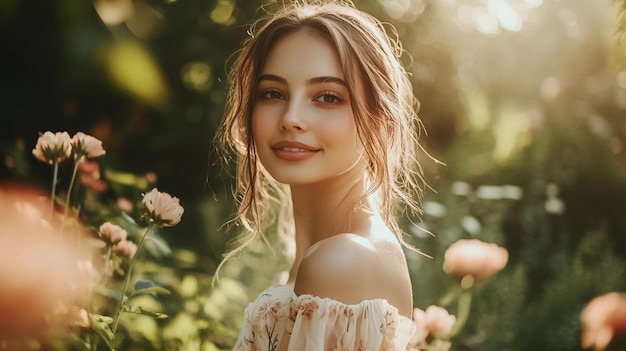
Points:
x=293, y=150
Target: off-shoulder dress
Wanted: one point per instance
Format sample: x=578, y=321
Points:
x=280, y=320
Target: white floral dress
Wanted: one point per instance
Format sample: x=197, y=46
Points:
x=280, y=320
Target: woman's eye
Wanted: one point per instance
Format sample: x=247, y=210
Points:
x=329, y=98
x=272, y=95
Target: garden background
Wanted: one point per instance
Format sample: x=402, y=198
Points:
x=523, y=100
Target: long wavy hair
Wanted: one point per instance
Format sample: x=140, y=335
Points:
x=385, y=116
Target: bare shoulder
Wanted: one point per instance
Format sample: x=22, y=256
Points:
x=350, y=268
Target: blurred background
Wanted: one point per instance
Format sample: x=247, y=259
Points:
x=523, y=100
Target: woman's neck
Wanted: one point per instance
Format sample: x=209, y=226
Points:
x=328, y=208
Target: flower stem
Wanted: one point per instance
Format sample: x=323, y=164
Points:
x=69, y=189
x=127, y=276
x=93, y=341
x=464, y=308
x=55, y=173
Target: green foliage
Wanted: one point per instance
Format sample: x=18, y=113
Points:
x=540, y=110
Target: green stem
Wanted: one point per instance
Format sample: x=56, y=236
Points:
x=93, y=336
x=463, y=312
x=69, y=189
x=116, y=319
x=93, y=341
x=55, y=173
x=447, y=298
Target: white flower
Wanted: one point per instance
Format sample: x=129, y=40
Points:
x=163, y=209
x=53, y=147
x=84, y=145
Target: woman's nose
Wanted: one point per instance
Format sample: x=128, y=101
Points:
x=294, y=118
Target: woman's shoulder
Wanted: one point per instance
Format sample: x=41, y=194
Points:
x=351, y=268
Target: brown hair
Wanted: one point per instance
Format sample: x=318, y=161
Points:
x=386, y=116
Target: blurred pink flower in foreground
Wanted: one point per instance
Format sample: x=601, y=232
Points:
x=474, y=257
x=113, y=233
x=433, y=323
x=163, y=209
x=38, y=268
x=53, y=147
x=603, y=318
x=84, y=145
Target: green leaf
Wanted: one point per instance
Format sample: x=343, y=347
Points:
x=100, y=324
x=125, y=178
x=157, y=246
x=148, y=287
x=128, y=218
x=139, y=310
x=114, y=294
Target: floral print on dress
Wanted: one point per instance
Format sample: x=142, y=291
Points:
x=279, y=320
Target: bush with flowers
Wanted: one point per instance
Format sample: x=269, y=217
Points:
x=80, y=295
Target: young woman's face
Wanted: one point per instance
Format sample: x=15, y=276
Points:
x=302, y=123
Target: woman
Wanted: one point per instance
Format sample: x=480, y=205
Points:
x=323, y=120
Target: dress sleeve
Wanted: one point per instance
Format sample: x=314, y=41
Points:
x=322, y=324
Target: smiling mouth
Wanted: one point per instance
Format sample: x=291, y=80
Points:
x=292, y=149
x=293, y=152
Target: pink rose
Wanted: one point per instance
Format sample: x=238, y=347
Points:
x=474, y=257
x=603, y=318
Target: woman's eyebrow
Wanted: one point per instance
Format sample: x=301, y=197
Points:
x=326, y=79
x=312, y=81
x=273, y=78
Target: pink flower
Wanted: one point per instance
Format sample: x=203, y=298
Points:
x=474, y=257
x=112, y=233
x=95, y=184
x=38, y=270
x=53, y=147
x=603, y=318
x=126, y=248
x=124, y=204
x=84, y=145
x=90, y=167
x=163, y=209
x=151, y=177
x=90, y=176
x=82, y=319
x=435, y=322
